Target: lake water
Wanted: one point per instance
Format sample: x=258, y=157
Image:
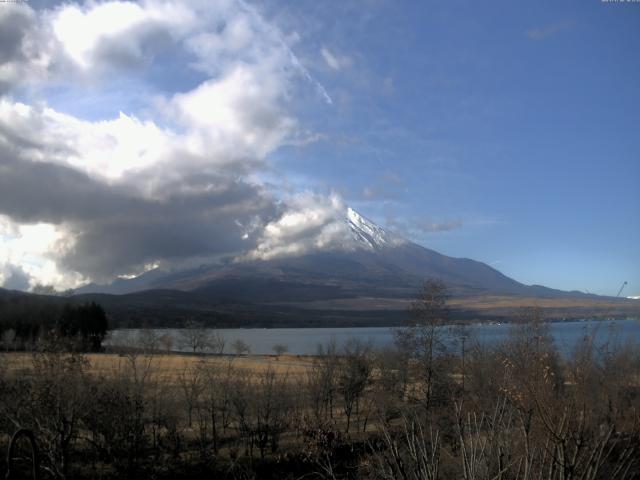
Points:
x=305, y=341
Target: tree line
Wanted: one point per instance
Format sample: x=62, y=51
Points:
x=26, y=321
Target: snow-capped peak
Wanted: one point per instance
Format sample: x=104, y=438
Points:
x=368, y=234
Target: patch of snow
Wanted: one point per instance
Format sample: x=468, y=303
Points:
x=367, y=234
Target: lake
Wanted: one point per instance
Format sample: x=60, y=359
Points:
x=305, y=341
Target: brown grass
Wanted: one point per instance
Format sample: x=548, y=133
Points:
x=479, y=303
x=169, y=366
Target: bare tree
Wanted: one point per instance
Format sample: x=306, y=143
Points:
x=241, y=347
x=197, y=338
x=148, y=340
x=280, y=349
x=217, y=343
x=241, y=398
x=422, y=337
x=59, y=397
x=8, y=337
x=271, y=407
x=410, y=453
x=216, y=386
x=354, y=376
x=190, y=382
x=115, y=421
x=166, y=342
x=322, y=380
x=392, y=378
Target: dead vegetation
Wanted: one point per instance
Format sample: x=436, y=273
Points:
x=421, y=410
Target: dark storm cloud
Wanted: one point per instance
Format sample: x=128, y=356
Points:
x=122, y=53
x=115, y=231
x=33, y=192
x=17, y=279
x=16, y=22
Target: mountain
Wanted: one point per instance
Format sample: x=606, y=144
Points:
x=373, y=263
x=370, y=280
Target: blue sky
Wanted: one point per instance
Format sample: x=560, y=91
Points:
x=506, y=132
x=518, y=122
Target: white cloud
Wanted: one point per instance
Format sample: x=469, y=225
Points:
x=120, y=33
x=547, y=31
x=238, y=115
x=93, y=199
x=107, y=148
x=84, y=42
x=89, y=42
x=32, y=250
x=334, y=61
x=310, y=223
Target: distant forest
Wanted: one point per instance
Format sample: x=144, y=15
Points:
x=26, y=319
x=171, y=309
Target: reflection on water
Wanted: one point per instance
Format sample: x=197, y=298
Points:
x=305, y=341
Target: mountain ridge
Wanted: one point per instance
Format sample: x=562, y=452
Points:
x=376, y=262
x=370, y=282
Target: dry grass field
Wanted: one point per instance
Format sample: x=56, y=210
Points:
x=165, y=416
x=169, y=367
x=480, y=303
x=491, y=302
x=484, y=303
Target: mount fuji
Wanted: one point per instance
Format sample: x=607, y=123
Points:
x=371, y=278
x=369, y=260
x=367, y=234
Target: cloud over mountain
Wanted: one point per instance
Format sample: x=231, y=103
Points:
x=312, y=222
x=173, y=181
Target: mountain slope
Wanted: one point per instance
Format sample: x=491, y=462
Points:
x=371, y=281
x=374, y=263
